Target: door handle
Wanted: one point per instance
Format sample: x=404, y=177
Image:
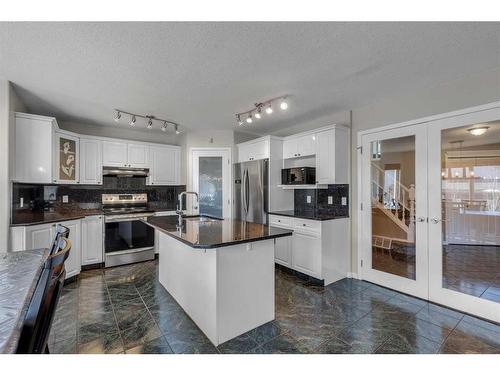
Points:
x=420, y=219
x=436, y=221
x=247, y=188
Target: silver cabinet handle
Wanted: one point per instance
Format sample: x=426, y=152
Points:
x=420, y=219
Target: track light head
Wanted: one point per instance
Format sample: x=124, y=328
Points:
x=249, y=118
x=132, y=121
x=238, y=119
x=283, y=104
x=269, y=109
x=117, y=116
x=258, y=115
x=176, y=127
x=164, y=126
x=150, y=123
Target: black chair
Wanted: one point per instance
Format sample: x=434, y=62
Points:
x=61, y=232
x=38, y=320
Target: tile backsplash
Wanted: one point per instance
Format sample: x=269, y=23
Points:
x=319, y=200
x=39, y=196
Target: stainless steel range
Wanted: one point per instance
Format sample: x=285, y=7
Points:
x=127, y=239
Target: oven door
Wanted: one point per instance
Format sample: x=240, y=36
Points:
x=125, y=235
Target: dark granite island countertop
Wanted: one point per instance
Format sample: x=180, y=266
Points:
x=19, y=274
x=209, y=233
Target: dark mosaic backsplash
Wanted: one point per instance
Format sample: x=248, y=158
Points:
x=319, y=200
x=40, y=197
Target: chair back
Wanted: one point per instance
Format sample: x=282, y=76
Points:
x=61, y=232
x=38, y=320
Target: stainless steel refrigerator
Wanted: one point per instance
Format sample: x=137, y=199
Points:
x=251, y=193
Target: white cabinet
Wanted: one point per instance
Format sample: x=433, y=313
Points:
x=114, y=154
x=138, y=155
x=90, y=161
x=125, y=154
x=299, y=146
x=332, y=159
x=253, y=150
x=92, y=240
x=34, y=142
x=306, y=253
x=317, y=248
x=165, y=165
x=66, y=159
x=41, y=236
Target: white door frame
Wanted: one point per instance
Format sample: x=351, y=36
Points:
x=225, y=153
x=461, y=301
x=419, y=286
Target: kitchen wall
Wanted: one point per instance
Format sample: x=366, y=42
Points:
x=412, y=104
x=9, y=103
x=39, y=196
x=319, y=200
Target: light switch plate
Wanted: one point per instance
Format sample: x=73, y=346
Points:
x=330, y=199
x=308, y=199
x=344, y=201
x=65, y=199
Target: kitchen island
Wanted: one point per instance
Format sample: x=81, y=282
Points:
x=221, y=272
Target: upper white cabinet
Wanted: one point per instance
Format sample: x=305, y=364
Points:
x=253, y=150
x=332, y=159
x=165, y=162
x=114, y=154
x=66, y=159
x=298, y=146
x=124, y=154
x=90, y=161
x=138, y=155
x=34, y=142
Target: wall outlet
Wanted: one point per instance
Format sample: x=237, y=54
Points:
x=330, y=199
x=308, y=199
x=344, y=201
x=65, y=199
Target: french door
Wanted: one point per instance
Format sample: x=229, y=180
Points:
x=430, y=223
x=394, y=196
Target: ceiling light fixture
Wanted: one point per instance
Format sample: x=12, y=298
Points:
x=480, y=130
x=150, y=120
x=256, y=112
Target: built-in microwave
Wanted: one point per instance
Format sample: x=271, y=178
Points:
x=298, y=176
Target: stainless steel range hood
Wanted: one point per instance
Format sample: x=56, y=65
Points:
x=125, y=172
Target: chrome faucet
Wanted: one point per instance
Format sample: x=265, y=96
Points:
x=179, y=210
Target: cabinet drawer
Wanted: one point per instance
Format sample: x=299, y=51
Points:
x=308, y=225
x=282, y=221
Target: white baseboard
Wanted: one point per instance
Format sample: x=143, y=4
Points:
x=352, y=275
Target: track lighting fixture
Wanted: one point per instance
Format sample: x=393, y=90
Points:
x=149, y=119
x=257, y=111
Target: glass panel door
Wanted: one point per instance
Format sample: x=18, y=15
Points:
x=210, y=185
x=394, y=174
x=464, y=215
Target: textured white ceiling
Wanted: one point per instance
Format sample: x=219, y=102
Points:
x=200, y=74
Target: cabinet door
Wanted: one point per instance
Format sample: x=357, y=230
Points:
x=244, y=153
x=306, y=145
x=90, y=162
x=92, y=237
x=260, y=150
x=290, y=148
x=283, y=251
x=73, y=263
x=325, y=167
x=114, y=154
x=39, y=236
x=33, y=151
x=138, y=155
x=165, y=165
x=306, y=253
x=67, y=159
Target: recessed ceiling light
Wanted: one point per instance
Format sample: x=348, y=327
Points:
x=480, y=130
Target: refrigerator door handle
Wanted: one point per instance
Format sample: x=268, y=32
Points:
x=247, y=192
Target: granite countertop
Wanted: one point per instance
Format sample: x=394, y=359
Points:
x=28, y=217
x=19, y=274
x=308, y=215
x=214, y=233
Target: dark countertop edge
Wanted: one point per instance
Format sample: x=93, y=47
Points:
x=298, y=216
x=216, y=246
x=10, y=345
x=48, y=221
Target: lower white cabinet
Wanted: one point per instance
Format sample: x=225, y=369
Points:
x=320, y=249
x=92, y=240
x=41, y=236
